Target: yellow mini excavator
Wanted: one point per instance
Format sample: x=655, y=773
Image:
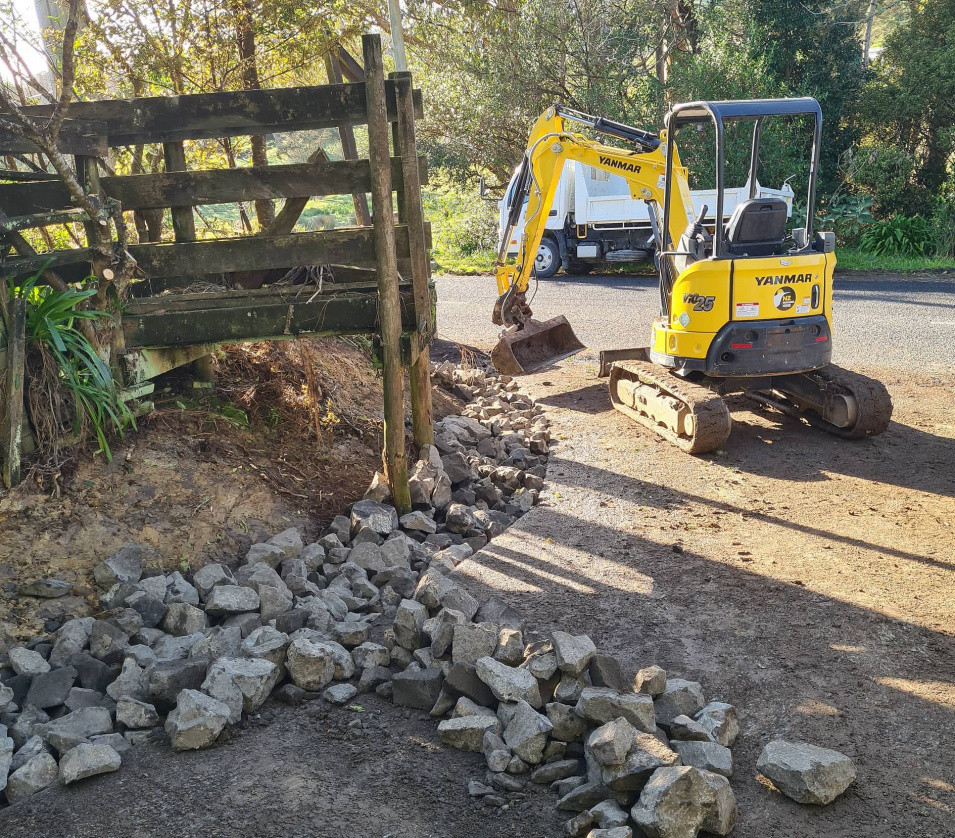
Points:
x=745, y=306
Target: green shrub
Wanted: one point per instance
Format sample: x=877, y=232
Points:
x=69, y=379
x=846, y=215
x=463, y=224
x=900, y=235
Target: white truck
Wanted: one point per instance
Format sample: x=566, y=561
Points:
x=594, y=221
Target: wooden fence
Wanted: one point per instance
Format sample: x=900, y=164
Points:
x=382, y=272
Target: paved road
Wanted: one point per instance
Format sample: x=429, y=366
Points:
x=879, y=322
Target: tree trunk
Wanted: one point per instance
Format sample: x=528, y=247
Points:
x=245, y=37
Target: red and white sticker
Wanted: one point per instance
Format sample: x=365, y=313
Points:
x=747, y=309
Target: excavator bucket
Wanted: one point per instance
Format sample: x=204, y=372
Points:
x=533, y=345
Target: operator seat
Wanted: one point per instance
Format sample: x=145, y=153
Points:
x=756, y=228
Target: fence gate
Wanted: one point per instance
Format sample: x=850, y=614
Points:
x=382, y=272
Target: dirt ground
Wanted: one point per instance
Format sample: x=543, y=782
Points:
x=192, y=486
x=807, y=580
x=292, y=773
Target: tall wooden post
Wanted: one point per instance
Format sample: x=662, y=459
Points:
x=411, y=213
x=389, y=306
x=13, y=392
x=346, y=134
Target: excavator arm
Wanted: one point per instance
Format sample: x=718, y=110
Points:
x=550, y=145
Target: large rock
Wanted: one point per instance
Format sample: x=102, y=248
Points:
x=68, y=731
x=196, y=721
x=50, y=689
x=409, y=621
x=601, y=705
x=289, y=542
x=463, y=680
x=707, y=756
x=231, y=599
x=418, y=522
x=526, y=733
x=466, y=733
x=574, y=654
x=551, y=772
x=310, y=664
x=610, y=743
x=721, y=721
x=273, y=602
x=254, y=677
x=27, y=662
x=136, y=715
x=107, y=642
x=646, y=755
x=268, y=554
x=417, y=688
x=35, y=775
x=210, y=575
x=181, y=590
x=435, y=590
x=378, y=517
x=806, y=773
x=165, y=681
x=131, y=682
x=674, y=803
x=496, y=752
x=151, y=610
x=721, y=813
x=651, y=680
x=606, y=671
x=583, y=797
x=509, y=683
x=87, y=760
x=473, y=641
x=125, y=565
x=6, y=756
x=45, y=588
x=183, y=618
x=71, y=639
x=679, y=698
x=568, y=726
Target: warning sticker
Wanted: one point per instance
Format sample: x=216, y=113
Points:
x=747, y=309
x=802, y=309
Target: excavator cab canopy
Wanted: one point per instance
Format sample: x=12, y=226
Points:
x=756, y=225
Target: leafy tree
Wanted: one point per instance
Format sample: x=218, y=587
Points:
x=909, y=112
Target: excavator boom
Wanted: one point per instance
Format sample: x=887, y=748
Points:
x=527, y=344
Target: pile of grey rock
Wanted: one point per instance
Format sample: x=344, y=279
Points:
x=374, y=605
x=188, y=654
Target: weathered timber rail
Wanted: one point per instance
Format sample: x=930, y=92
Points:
x=380, y=273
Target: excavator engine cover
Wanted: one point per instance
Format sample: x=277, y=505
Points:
x=534, y=344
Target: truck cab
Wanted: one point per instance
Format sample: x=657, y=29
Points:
x=594, y=221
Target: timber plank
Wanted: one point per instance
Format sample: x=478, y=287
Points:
x=352, y=313
x=201, y=187
x=349, y=245
x=82, y=137
x=198, y=116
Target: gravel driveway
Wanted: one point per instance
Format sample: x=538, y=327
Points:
x=806, y=579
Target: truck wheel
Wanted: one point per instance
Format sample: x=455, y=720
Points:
x=548, y=259
x=578, y=267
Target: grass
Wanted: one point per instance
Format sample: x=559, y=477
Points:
x=463, y=264
x=854, y=259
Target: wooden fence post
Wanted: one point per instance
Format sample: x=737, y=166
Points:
x=13, y=392
x=183, y=220
x=412, y=213
x=389, y=307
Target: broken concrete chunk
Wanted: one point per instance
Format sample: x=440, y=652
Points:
x=806, y=773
